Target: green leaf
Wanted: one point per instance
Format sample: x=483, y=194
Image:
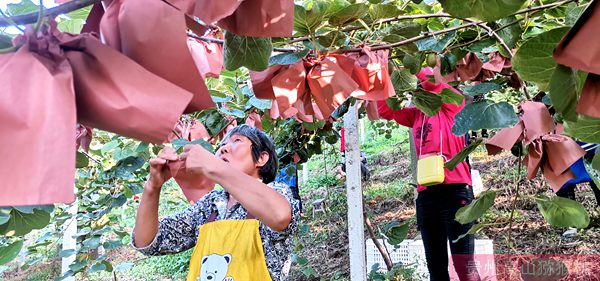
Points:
x=383, y=11
x=21, y=223
x=435, y=45
x=452, y=97
x=563, y=212
x=4, y=215
x=307, y=21
x=328, y=39
x=67, y=253
x=473, y=230
x=100, y=266
x=462, y=155
x=232, y=111
x=406, y=29
x=288, y=58
x=586, y=129
x=260, y=103
x=110, y=146
x=71, y=26
x=206, y=145
x=5, y=41
x=81, y=161
x=112, y=244
x=411, y=63
x=428, y=102
x=92, y=243
x=486, y=10
x=251, y=52
x=10, y=251
x=318, y=124
x=78, y=265
x=533, y=60
x=596, y=162
x=348, y=14
x=403, y=81
x=396, y=232
x=477, y=208
x=23, y=7
x=394, y=103
x=512, y=34
x=481, y=88
x=479, y=46
x=342, y=109
x=484, y=115
x=564, y=95
x=573, y=13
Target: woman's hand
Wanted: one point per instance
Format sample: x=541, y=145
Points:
x=199, y=160
x=159, y=172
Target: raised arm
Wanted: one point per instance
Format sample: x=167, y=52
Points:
x=404, y=116
x=263, y=202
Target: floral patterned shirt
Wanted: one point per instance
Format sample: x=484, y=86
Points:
x=179, y=232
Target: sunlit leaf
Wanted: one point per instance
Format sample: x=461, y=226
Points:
x=533, y=60
x=477, y=208
x=487, y=10
x=428, y=102
x=383, y=11
x=586, y=129
x=484, y=115
x=562, y=212
x=462, y=155
x=348, y=14
x=564, y=91
x=403, y=81
x=10, y=251
x=22, y=223
x=288, y=58
x=307, y=21
x=481, y=88
x=451, y=97
x=251, y=52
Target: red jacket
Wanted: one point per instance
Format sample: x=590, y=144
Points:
x=429, y=141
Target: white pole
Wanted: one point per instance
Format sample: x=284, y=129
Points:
x=362, y=131
x=304, y=173
x=356, y=232
x=68, y=240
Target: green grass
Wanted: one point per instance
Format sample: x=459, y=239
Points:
x=379, y=144
x=395, y=189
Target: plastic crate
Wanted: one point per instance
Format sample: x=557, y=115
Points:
x=412, y=253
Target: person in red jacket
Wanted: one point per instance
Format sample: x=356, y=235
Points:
x=437, y=205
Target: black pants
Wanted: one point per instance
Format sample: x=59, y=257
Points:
x=569, y=192
x=436, y=207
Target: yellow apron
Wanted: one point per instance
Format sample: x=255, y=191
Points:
x=228, y=250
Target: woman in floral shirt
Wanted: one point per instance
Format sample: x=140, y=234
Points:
x=245, y=166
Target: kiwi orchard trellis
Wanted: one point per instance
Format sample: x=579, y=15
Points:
x=435, y=27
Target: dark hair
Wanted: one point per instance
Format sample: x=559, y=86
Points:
x=260, y=143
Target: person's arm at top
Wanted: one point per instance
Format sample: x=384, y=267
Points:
x=404, y=116
x=262, y=201
x=146, y=220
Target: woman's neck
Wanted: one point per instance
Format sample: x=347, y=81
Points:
x=231, y=201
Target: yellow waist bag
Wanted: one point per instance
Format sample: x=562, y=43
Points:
x=430, y=168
